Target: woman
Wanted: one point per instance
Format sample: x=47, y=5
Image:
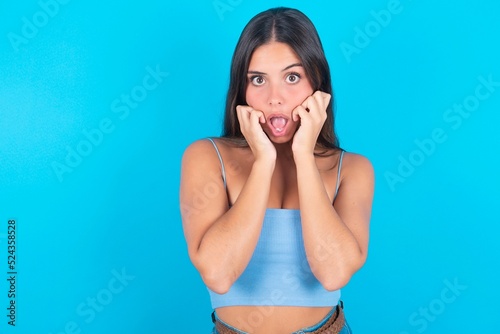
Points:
x=275, y=214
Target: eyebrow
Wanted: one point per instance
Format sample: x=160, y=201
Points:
x=283, y=70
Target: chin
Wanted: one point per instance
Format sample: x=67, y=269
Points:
x=282, y=138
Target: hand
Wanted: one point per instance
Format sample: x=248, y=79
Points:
x=250, y=125
x=312, y=116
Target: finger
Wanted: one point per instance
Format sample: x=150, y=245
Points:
x=243, y=112
x=324, y=99
x=262, y=119
x=311, y=104
x=257, y=117
x=307, y=102
x=295, y=117
x=299, y=113
x=295, y=114
x=244, y=109
x=261, y=116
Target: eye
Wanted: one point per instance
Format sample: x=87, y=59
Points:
x=257, y=80
x=293, y=78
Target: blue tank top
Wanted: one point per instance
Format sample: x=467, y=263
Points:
x=278, y=272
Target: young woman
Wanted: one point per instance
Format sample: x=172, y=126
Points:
x=275, y=214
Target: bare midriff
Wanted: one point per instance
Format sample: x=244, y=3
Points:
x=271, y=319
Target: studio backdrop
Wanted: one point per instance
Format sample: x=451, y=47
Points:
x=98, y=101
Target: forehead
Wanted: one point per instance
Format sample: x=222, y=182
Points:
x=273, y=55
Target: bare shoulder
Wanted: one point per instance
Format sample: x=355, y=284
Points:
x=201, y=152
x=201, y=173
x=204, y=145
x=357, y=187
x=197, y=147
x=357, y=166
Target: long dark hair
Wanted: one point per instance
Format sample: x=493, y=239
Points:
x=285, y=25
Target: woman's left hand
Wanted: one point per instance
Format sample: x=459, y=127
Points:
x=312, y=116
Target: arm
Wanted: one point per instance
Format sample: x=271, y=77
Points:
x=336, y=237
x=221, y=240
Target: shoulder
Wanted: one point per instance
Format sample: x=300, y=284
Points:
x=357, y=161
x=201, y=151
x=205, y=145
x=357, y=182
x=199, y=146
x=229, y=149
x=357, y=166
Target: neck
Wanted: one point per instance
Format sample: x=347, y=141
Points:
x=284, y=152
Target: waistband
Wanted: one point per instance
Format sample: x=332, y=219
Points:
x=332, y=323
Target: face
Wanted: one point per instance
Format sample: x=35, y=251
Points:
x=277, y=83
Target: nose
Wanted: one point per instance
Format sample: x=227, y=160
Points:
x=275, y=96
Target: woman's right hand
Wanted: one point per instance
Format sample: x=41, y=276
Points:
x=250, y=125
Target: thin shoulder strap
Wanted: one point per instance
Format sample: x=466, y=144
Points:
x=338, y=174
x=221, y=162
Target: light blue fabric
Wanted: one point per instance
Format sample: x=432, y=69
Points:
x=278, y=272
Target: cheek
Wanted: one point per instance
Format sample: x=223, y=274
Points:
x=253, y=97
x=297, y=94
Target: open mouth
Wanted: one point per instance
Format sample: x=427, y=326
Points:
x=278, y=123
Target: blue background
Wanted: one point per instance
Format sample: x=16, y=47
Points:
x=115, y=212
